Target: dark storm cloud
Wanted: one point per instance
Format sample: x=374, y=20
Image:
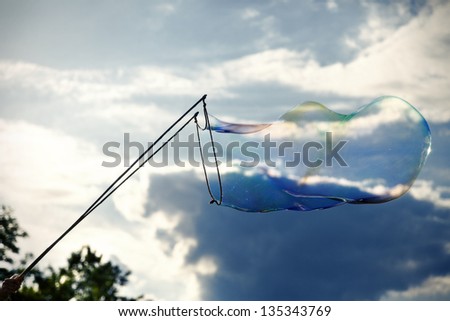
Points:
x=352, y=252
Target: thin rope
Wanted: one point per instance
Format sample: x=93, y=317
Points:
x=219, y=179
x=115, y=185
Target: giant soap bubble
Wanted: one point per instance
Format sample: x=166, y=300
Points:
x=314, y=158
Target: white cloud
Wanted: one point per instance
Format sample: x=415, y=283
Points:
x=44, y=163
x=249, y=13
x=373, y=186
x=94, y=86
x=332, y=5
x=425, y=190
x=159, y=267
x=267, y=26
x=166, y=8
x=447, y=248
x=389, y=111
x=434, y=288
x=49, y=178
x=401, y=64
x=46, y=177
x=150, y=119
x=131, y=198
x=381, y=21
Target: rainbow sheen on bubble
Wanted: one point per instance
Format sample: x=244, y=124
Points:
x=385, y=145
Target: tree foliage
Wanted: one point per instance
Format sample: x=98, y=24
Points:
x=85, y=277
x=10, y=232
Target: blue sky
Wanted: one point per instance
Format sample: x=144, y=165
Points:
x=76, y=74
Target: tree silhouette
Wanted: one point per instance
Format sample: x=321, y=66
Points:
x=86, y=276
x=10, y=232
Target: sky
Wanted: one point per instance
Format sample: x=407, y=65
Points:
x=75, y=75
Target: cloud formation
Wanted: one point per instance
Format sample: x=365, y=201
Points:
x=401, y=64
x=337, y=254
x=434, y=288
x=76, y=75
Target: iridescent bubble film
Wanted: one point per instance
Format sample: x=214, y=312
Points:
x=314, y=158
